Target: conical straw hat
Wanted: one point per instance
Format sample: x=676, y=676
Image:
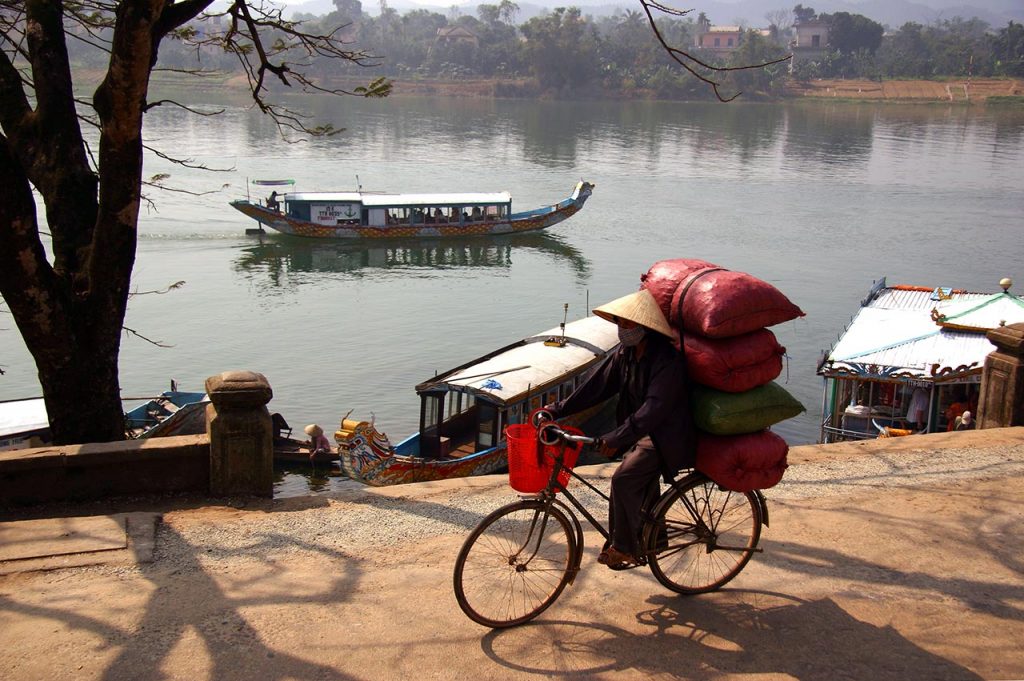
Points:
x=639, y=307
x=314, y=430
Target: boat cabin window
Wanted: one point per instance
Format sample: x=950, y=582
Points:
x=488, y=426
x=565, y=390
x=515, y=413
x=397, y=216
x=431, y=414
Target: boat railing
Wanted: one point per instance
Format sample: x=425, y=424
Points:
x=537, y=211
x=839, y=434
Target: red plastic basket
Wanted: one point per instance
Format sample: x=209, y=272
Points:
x=530, y=463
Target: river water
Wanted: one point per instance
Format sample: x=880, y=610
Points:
x=819, y=199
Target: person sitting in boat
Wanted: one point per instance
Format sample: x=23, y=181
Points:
x=655, y=427
x=318, y=442
x=439, y=216
x=272, y=202
x=477, y=215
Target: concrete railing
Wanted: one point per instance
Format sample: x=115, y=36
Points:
x=234, y=457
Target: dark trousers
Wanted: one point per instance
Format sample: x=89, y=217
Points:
x=634, y=485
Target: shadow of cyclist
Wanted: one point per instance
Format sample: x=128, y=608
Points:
x=706, y=638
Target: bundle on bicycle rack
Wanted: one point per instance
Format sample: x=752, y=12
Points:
x=721, y=316
x=530, y=462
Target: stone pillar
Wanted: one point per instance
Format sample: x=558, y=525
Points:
x=241, y=437
x=1002, y=379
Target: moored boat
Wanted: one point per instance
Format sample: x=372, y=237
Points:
x=370, y=215
x=173, y=412
x=464, y=411
x=24, y=423
x=906, y=340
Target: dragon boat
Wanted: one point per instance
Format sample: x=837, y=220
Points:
x=464, y=411
x=371, y=215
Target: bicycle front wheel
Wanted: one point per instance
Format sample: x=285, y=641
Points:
x=703, y=536
x=514, y=564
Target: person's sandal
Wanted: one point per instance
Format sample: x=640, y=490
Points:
x=616, y=560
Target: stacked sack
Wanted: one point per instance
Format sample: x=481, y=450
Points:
x=732, y=359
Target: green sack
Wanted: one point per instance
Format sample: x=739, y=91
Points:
x=722, y=413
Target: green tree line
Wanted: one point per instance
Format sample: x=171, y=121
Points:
x=565, y=52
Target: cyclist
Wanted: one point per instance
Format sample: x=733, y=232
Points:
x=654, y=425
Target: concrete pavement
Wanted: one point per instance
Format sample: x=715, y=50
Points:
x=894, y=574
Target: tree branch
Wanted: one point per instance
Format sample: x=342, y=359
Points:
x=690, y=62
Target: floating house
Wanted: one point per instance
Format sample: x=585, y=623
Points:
x=904, y=338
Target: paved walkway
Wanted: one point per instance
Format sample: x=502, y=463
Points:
x=898, y=559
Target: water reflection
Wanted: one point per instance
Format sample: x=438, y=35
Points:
x=839, y=135
x=296, y=479
x=278, y=256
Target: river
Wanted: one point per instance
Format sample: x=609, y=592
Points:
x=820, y=199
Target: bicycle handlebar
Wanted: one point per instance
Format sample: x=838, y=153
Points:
x=550, y=434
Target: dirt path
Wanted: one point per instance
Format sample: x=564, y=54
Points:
x=973, y=90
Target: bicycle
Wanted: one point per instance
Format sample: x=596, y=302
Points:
x=695, y=538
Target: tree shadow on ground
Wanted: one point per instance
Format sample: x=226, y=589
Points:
x=188, y=607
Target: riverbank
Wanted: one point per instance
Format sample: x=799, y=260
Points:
x=887, y=559
x=962, y=91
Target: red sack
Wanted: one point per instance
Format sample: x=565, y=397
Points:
x=734, y=364
x=712, y=301
x=742, y=462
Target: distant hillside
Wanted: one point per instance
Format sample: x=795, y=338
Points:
x=893, y=13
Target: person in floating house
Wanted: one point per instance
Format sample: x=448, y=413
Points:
x=964, y=422
x=654, y=425
x=272, y=202
x=917, y=410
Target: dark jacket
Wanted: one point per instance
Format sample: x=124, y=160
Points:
x=653, y=401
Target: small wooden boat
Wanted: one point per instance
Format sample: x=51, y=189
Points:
x=297, y=451
x=171, y=413
x=367, y=215
x=464, y=411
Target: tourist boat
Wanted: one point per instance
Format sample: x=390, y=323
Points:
x=372, y=215
x=464, y=411
x=904, y=338
x=24, y=423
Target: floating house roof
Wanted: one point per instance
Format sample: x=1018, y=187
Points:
x=920, y=333
x=980, y=316
x=21, y=416
x=506, y=375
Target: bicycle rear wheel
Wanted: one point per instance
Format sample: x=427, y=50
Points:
x=514, y=564
x=703, y=536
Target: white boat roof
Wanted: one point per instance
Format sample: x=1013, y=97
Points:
x=989, y=313
x=507, y=375
x=21, y=416
x=376, y=199
x=894, y=335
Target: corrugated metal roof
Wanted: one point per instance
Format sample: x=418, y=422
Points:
x=20, y=416
x=894, y=334
x=990, y=313
x=367, y=199
x=532, y=364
